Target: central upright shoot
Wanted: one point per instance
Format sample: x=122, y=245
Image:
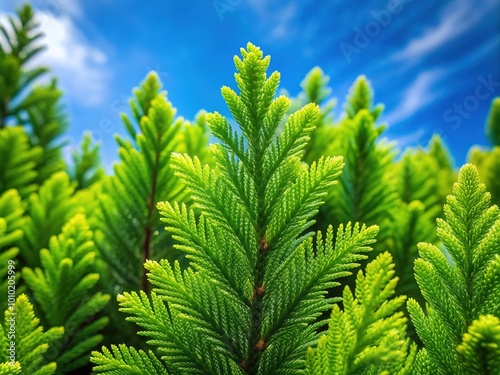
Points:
x=251, y=300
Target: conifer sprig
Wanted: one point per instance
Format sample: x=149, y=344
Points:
x=238, y=309
x=460, y=285
x=67, y=280
x=369, y=336
x=31, y=341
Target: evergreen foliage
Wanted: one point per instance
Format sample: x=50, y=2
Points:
x=86, y=166
x=460, y=285
x=411, y=228
x=127, y=218
x=369, y=336
x=67, y=280
x=480, y=346
x=249, y=301
x=11, y=222
x=424, y=179
x=366, y=191
x=31, y=341
x=315, y=90
x=426, y=175
x=488, y=161
x=19, y=161
x=361, y=97
x=18, y=46
x=48, y=210
x=48, y=123
x=37, y=108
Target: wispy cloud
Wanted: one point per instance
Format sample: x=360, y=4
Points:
x=279, y=21
x=417, y=96
x=80, y=66
x=283, y=27
x=455, y=19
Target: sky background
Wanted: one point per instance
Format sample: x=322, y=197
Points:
x=434, y=64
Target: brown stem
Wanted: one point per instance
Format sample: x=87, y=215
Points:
x=257, y=346
x=3, y=112
x=148, y=229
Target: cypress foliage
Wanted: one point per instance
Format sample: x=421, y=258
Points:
x=488, y=161
x=256, y=285
x=241, y=281
x=67, y=280
x=11, y=223
x=127, y=218
x=460, y=285
x=31, y=341
x=315, y=90
x=86, y=167
x=369, y=336
x=48, y=210
x=19, y=161
x=37, y=108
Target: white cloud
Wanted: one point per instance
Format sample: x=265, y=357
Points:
x=455, y=19
x=418, y=95
x=278, y=20
x=79, y=66
x=283, y=28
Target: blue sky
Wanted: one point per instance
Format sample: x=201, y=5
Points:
x=435, y=65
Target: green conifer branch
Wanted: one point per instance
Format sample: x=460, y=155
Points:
x=488, y=161
x=31, y=342
x=234, y=311
x=360, y=98
x=127, y=217
x=123, y=360
x=461, y=284
x=86, y=168
x=22, y=103
x=11, y=224
x=48, y=210
x=369, y=336
x=67, y=280
x=19, y=161
x=480, y=347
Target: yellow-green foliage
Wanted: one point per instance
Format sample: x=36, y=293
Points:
x=369, y=335
x=86, y=168
x=11, y=224
x=480, y=348
x=315, y=90
x=361, y=97
x=18, y=161
x=488, y=161
x=460, y=284
x=249, y=303
x=426, y=175
x=35, y=107
x=67, y=280
x=31, y=342
x=127, y=218
x=48, y=210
